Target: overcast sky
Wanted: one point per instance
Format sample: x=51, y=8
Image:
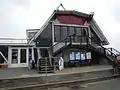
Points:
x=18, y=15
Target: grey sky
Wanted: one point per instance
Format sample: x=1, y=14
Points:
x=18, y=15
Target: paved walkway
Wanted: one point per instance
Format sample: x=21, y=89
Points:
x=25, y=72
x=113, y=84
x=85, y=69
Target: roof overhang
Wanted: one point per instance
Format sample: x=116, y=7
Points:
x=15, y=44
x=99, y=32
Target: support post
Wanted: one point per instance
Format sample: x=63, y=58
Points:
x=46, y=70
x=33, y=58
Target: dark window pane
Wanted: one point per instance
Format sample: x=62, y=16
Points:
x=84, y=31
x=63, y=33
x=1, y=59
x=23, y=56
x=14, y=56
x=57, y=33
x=78, y=31
x=44, y=53
x=71, y=31
x=35, y=55
x=45, y=38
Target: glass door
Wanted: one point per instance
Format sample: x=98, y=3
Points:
x=23, y=55
x=14, y=59
x=19, y=57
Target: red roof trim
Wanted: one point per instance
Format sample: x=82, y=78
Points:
x=71, y=19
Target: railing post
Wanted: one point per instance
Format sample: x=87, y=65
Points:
x=65, y=42
x=46, y=71
x=38, y=65
x=54, y=65
x=105, y=51
x=111, y=50
x=80, y=40
x=70, y=40
x=87, y=39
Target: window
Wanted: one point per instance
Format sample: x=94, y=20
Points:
x=56, y=33
x=14, y=56
x=83, y=56
x=71, y=31
x=78, y=31
x=63, y=32
x=84, y=31
x=72, y=56
x=77, y=55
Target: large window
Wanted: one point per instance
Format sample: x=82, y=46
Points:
x=61, y=32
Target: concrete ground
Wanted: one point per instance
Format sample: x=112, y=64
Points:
x=113, y=84
x=25, y=72
x=85, y=69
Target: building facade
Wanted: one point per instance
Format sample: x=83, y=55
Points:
x=72, y=35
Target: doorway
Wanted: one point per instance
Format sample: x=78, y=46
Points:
x=18, y=57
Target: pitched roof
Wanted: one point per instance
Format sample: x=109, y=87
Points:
x=60, y=12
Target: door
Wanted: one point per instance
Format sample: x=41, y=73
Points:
x=23, y=58
x=19, y=57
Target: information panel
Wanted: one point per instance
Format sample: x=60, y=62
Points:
x=72, y=56
x=77, y=55
x=83, y=56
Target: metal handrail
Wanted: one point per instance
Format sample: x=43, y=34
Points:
x=46, y=60
x=70, y=39
x=114, y=50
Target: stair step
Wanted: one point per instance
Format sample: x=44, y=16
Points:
x=45, y=72
x=45, y=66
x=44, y=63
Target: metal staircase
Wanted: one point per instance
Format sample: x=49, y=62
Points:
x=81, y=41
x=47, y=64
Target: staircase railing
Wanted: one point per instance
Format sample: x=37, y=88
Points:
x=111, y=55
x=85, y=40
x=106, y=51
x=114, y=51
x=45, y=66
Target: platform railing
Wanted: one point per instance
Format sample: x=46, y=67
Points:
x=77, y=39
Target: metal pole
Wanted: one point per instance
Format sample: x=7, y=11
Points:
x=54, y=64
x=46, y=71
